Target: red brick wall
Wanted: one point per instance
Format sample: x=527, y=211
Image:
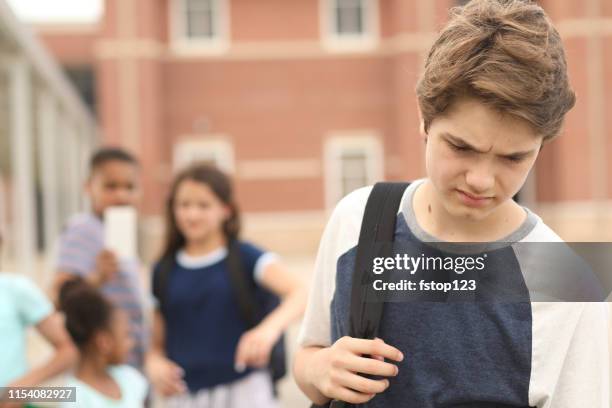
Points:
x=282, y=108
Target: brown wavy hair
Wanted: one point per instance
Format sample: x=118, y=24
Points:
x=507, y=54
x=221, y=186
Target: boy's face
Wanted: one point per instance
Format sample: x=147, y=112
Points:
x=478, y=158
x=113, y=183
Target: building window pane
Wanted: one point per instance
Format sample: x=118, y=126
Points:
x=200, y=18
x=84, y=80
x=350, y=17
x=354, y=172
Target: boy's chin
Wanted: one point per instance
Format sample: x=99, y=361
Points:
x=459, y=210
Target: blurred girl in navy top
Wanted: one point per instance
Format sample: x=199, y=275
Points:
x=203, y=353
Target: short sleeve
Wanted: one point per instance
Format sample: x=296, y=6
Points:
x=341, y=233
x=256, y=259
x=132, y=381
x=33, y=304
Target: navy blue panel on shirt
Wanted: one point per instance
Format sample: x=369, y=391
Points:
x=459, y=355
x=203, y=321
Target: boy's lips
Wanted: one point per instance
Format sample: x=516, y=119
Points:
x=472, y=200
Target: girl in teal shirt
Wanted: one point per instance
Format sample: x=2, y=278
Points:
x=101, y=332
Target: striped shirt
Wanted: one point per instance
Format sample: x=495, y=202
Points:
x=79, y=245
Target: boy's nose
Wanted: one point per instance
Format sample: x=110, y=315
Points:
x=480, y=180
x=122, y=197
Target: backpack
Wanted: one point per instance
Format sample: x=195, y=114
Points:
x=254, y=304
x=378, y=226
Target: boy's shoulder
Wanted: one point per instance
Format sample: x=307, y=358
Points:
x=540, y=232
x=83, y=221
x=344, y=225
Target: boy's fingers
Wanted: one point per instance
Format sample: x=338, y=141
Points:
x=371, y=366
x=352, y=397
x=362, y=384
x=375, y=348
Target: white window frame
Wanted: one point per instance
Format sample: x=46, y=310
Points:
x=338, y=143
x=181, y=43
x=334, y=42
x=214, y=147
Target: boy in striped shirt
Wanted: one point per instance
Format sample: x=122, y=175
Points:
x=113, y=181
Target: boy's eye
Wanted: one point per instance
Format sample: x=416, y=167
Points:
x=459, y=148
x=514, y=159
x=115, y=186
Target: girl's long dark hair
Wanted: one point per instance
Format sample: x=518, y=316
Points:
x=221, y=186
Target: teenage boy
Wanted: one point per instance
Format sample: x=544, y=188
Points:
x=113, y=181
x=493, y=90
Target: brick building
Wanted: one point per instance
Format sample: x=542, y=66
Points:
x=304, y=100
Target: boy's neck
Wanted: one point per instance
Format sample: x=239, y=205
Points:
x=435, y=220
x=206, y=245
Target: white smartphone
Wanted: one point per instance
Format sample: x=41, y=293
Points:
x=120, y=231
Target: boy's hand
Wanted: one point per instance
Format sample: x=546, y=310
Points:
x=107, y=266
x=335, y=370
x=166, y=376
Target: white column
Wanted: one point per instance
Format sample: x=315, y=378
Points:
x=47, y=139
x=24, y=214
x=74, y=162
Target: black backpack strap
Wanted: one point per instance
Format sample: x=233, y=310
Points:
x=377, y=226
x=160, y=280
x=250, y=309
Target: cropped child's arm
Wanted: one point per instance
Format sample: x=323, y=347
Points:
x=64, y=356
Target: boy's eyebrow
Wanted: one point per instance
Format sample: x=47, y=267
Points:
x=463, y=143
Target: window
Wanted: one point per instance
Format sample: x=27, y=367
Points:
x=349, y=16
x=200, y=21
x=216, y=152
x=84, y=80
x=353, y=170
x=200, y=24
x=352, y=161
x=350, y=24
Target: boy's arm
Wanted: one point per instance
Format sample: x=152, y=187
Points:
x=585, y=376
x=324, y=370
x=105, y=267
x=325, y=373
x=304, y=358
